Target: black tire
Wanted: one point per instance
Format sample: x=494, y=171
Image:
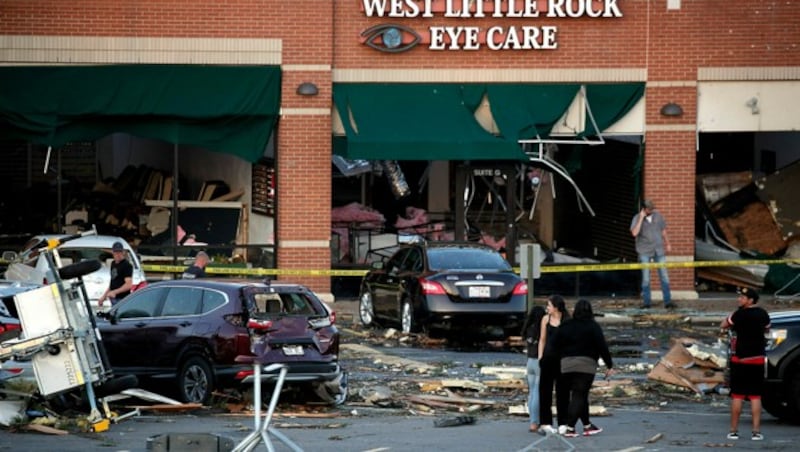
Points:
x=116, y=385
x=195, y=380
x=366, y=309
x=794, y=399
x=785, y=405
x=79, y=269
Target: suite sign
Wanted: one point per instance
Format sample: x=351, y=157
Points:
x=535, y=36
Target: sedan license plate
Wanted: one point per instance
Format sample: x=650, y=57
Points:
x=480, y=292
x=293, y=350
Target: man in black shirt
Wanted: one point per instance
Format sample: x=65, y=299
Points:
x=198, y=269
x=121, y=277
x=749, y=324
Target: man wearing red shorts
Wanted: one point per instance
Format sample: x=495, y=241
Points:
x=749, y=324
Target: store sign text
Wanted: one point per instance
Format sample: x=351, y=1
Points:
x=468, y=37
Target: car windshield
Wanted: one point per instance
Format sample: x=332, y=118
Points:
x=466, y=258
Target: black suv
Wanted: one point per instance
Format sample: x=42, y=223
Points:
x=781, y=396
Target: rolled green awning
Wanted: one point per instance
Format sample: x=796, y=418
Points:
x=229, y=109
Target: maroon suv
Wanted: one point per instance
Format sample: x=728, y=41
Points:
x=189, y=333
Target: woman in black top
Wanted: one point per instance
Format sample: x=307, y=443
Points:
x=548, y=363
x=579, y=343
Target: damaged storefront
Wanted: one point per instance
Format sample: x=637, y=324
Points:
x=748, y=167
x=132, y=150
x=485, y=162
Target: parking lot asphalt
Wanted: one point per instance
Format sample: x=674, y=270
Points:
x=672, y=427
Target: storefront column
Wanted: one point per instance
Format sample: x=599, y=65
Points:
x=668, y=180
x=304, y=196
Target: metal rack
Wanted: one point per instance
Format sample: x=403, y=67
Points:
x=60, y=334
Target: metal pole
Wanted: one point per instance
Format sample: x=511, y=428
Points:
x=59, y=227
x=529, y=277
x=174, y=215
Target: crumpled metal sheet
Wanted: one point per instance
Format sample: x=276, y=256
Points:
x=397, y=180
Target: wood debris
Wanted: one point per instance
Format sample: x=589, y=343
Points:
x=507, y=384
x=46, y=429
x=167, y=407
x=430, y=386
x=505, y=373
x=679, y=367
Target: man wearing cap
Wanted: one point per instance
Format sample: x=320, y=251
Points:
x=650, y=230
x=748, y=324
x=121, y=277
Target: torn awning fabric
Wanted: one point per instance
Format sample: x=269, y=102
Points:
x=436, y=121
x=417, y=121
x=230, y=109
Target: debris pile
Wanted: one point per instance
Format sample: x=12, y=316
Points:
x=750, y=217
x=692, y=365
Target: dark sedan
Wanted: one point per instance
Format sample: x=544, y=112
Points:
x=445, y=288
x=191, y=332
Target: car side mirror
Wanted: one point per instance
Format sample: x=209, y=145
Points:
x=378, y=265
x=10, y=256
x=108, y=315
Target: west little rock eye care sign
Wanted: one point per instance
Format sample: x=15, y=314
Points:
x=536, y=36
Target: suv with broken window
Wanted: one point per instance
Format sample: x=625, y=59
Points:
x=197, y=335
x=781, y=396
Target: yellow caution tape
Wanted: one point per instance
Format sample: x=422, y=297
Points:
x=544, y=269
x=255, y=271
x=639, y=266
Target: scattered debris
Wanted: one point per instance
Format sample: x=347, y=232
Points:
x=430, y=386
x=679, y=367
x=10, y=410
x=654, y=438
x=454, y=421
x=45, y=429
x=505, y=373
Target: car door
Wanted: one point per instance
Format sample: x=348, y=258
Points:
x=174, y=326
x=387, y=284
x=126, y=337
x=407, y=274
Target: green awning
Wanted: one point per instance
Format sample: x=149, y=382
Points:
x=416, y=121
x=610, y=102
x=527, y=111
x=396, y=121
x=230, y=109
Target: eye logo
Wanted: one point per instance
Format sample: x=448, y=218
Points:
x=390, y=38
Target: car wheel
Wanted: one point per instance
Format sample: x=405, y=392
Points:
x=794, y=401
x=333, y=392
x=195, y=380
x=407, y=322
x=366, y=310
x=785, y=404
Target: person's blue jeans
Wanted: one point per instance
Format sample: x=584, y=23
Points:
x=662, y=276
x=534, y=374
